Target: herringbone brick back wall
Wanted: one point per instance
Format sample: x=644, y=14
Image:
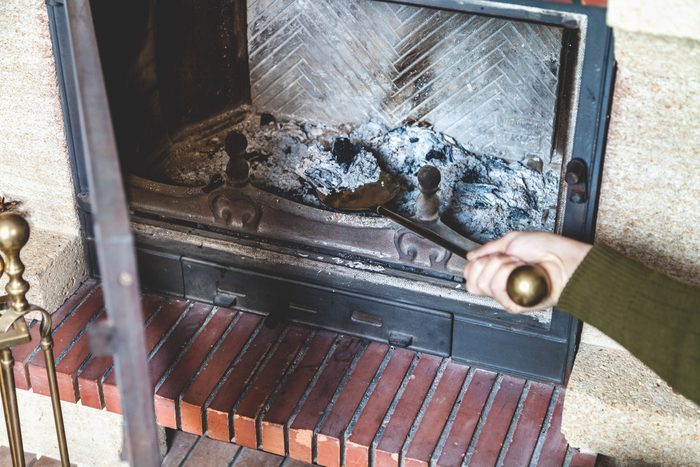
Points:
x=489, y=83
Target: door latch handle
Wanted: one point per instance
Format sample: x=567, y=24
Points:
x=577, y=179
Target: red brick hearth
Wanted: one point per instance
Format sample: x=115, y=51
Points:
x=314, y=395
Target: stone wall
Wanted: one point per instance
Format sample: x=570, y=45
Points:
x=650, y=197
x=34, y=161
x=33, y=154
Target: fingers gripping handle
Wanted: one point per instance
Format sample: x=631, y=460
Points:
x=528, y=285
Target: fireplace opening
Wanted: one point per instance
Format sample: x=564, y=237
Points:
x=316, y=96
x=474, y=95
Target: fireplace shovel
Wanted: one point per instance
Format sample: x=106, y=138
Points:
x=528, y=285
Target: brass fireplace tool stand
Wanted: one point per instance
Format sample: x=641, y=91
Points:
x=14, y=233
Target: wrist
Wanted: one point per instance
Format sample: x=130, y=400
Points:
x=575, y=256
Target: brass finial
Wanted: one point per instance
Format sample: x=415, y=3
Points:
x=528, y=285
x=14, y=234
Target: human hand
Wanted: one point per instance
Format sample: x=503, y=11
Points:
x=490, y=265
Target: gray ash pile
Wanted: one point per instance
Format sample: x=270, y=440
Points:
x=482, y=196
x=345, y=167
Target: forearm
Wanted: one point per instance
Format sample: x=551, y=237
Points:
x=655, y=317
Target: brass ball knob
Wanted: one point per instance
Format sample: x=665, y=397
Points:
x=14, y=232
x=528, y=285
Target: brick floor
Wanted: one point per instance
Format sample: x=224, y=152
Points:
x=31, y=460
x=312, y=395
x=186, y=450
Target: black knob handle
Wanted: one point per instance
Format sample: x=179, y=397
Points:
x=576, y=178
x=575, y=172
x=237, y=167
x=429, y=178
x=236, y=144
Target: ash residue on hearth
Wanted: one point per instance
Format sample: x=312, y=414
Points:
x=482, y=196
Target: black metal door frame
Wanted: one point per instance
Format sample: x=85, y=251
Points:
x=96, y=164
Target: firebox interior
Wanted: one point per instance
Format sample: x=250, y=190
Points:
x=474, y=95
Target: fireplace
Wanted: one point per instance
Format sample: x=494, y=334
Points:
x=507, y=100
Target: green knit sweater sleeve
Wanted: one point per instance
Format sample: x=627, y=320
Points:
x=655, y=317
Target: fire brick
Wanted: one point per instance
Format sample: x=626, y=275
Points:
x=597, y=3
x=23, y=353
x=554, y=448
x=219, y=411
x=404, y=415
x=423, y=444
x=273, y=422
x=191, y=403
x=63, y=337
x=68, y=365
x=530, y=421
x=580, y=459
x=169, y=316
x=496, y=427
x=245, y=418
x=468, y=415
x=90, y=378
x=301, y=430
x=168, y=392
x=331, y=434
x=357, y=446
x=313, y=392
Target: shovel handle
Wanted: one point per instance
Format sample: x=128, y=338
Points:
x=528, y=285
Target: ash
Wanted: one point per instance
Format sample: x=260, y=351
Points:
x=482, y=196
x=322, y=170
